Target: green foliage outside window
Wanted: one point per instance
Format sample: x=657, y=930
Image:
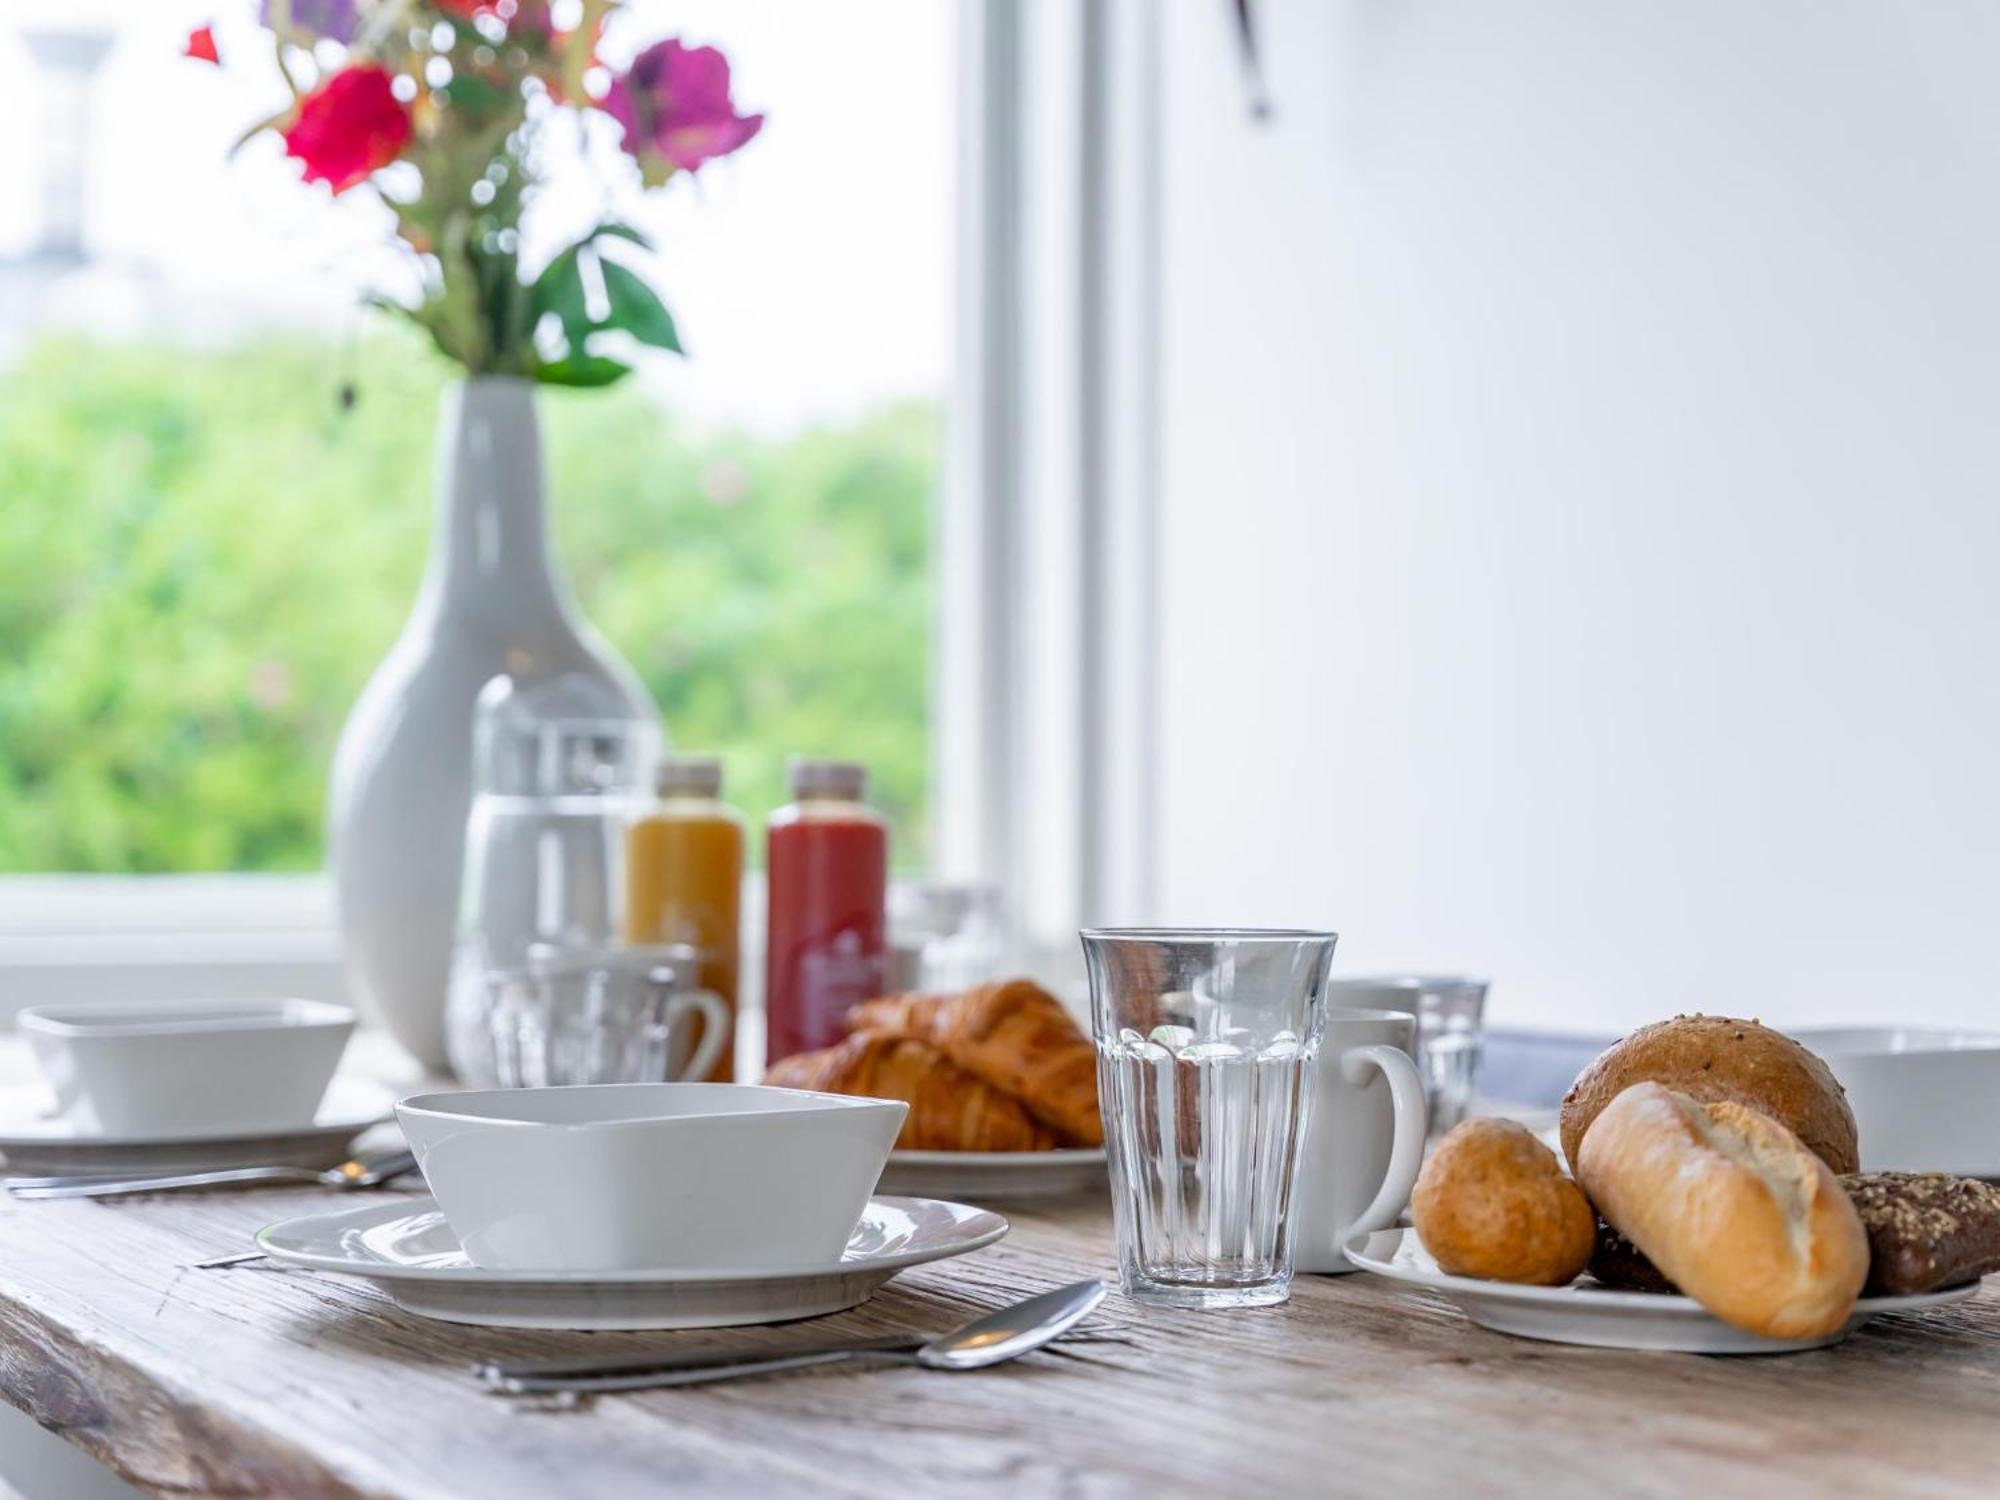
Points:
x=202, y=557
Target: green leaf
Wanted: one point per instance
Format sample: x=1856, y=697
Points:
x=636, y=309
x=583, y=370
x=475, y=95
x=611, y=229
x=559, y=290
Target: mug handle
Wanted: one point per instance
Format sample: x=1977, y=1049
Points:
x=1406, y=1153
x=714, y=1030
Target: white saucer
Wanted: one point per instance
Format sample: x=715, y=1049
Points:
x=987, y=1176
x=1585, y=1312
x=409, y=1250
x=34, y=1141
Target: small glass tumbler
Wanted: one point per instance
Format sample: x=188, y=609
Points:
x=600, y=1015
x=1205, y=1039
x=1450, y=1011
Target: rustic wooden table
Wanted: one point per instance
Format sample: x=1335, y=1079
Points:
x=255, y=1382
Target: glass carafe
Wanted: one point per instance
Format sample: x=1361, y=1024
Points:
x=556, y=779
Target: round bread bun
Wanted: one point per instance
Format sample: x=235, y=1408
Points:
x=1714, y=1059
x=1493, y=1202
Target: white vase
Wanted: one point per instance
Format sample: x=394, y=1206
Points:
x=491, y=603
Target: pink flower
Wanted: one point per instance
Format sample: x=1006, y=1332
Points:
x=675, y=107
x=348, y=127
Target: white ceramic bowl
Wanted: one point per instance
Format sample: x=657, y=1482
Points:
x=180, y=1069
x=650, y=1176
x=1924, y=1100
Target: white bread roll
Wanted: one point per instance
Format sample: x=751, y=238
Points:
x=1731, y=1207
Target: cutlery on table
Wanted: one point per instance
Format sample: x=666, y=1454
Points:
x=359, y=1173
x=986, y=1340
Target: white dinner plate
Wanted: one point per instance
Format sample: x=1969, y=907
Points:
x=987, y=1176
x=1585, y=1312
x=34, y=1140
x=408, y=1249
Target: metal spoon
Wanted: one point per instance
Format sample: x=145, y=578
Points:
x=989, y=1340
x=349, y=1174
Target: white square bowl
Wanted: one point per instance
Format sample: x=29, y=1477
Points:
x=1925, y=1099
x=651, y=1176
x=188, y=1068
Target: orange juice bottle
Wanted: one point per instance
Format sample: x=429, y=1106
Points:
x=684, y=876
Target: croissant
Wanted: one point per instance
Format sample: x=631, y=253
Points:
x=1015, y=1036
x=950, y=1110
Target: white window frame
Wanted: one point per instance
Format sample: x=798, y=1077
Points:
x=1045, y=771
x=1042, y=706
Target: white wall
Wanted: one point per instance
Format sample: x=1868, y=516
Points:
x=1581, y=466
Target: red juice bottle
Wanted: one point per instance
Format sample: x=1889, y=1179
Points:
x=828, y=869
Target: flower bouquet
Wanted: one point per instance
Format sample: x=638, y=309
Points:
x=446, y=110
x=440, y=107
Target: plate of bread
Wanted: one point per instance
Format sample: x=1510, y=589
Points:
x=1707, y=1198
x=1001, y=1084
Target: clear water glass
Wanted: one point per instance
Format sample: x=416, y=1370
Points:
x=1205, y=1040
x=1450, y=1011
x=608, y=1015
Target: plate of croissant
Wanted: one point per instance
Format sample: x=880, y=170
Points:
x=1001, y=1084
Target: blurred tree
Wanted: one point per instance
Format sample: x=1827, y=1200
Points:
x=202, y=557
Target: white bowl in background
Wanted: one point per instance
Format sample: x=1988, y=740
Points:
x=142, y=1070
x=650, y=1176
x=1924, y=1099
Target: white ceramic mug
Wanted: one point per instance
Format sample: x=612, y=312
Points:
x=1364, y=1142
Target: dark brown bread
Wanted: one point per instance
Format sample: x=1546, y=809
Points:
x=1715, y=1060
x=1623, y=1266
x=1925, y=1229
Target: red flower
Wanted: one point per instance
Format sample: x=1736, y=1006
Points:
x=348, y=127
x=529, y=13
x=201, y=45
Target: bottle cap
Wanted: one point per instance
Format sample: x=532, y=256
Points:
x=828, y=778
x=689, y=776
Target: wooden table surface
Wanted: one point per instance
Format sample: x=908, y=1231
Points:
x=276, y=1382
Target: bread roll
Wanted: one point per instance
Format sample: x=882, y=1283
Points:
x=1493, y=1202
x=1713, y=1058
x=1731, y=1207
x=1622, y=1265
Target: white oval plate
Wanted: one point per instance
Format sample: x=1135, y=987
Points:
x=408, y=1249
x=987, y=1176
x=1585, y=1312
x=35, y=1141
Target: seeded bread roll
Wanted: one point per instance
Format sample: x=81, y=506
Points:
x=1713, y=1058
x=1731, y=1207
x=1493, y=1202
x=1925, y=1229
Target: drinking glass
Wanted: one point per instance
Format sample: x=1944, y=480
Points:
x=600, y=1015
x=1204, y=1041
x=1450, y=1010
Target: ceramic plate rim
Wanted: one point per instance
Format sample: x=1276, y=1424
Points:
x=1609, y=1299
x=351, y=1120
x=1060, y=1156
x=412, y=1204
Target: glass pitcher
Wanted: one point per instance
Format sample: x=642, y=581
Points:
x=557, y=776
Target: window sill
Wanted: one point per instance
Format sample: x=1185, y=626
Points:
x=90, y=937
